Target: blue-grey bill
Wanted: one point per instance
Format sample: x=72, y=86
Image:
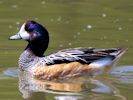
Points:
x=15, y=37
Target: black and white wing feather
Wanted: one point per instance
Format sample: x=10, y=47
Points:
x=82, y=55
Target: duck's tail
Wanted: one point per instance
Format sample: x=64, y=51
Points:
x=119, y=53
x=107, y=64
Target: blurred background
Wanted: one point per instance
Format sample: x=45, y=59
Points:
x=71, y=23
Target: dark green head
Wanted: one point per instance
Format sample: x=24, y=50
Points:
x=36, y=35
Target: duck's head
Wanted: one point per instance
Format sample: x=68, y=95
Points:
x=35, y=34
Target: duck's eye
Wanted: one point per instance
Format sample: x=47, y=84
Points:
x=30, y=30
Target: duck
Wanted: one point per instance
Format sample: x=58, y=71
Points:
x=66, y=63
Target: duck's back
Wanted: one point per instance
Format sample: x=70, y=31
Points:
x=76, y=62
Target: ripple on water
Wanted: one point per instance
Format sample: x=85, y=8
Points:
x=11, y=72
x=124, y=73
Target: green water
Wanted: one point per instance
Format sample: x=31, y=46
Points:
x=77, y=23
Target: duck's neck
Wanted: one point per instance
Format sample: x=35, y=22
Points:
x=32, y=54
x=27, y=59
x=38, y=46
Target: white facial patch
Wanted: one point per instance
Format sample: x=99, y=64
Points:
x=23, y=33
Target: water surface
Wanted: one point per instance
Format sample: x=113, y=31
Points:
x=77, y=23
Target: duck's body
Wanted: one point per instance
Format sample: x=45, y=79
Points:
x=64, y=63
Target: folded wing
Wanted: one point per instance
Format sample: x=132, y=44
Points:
x=83, y=55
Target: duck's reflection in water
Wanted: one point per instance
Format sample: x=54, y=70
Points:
x=69, y=89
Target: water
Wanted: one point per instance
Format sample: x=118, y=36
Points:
x=93, y=23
